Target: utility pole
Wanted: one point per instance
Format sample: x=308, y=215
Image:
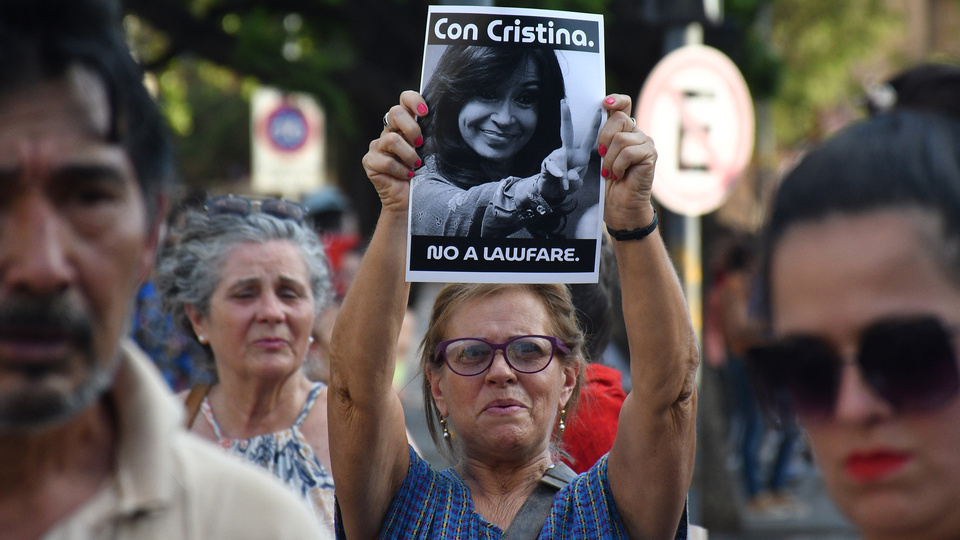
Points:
x=713, y=493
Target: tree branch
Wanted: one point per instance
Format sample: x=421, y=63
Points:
x=205, y=37
x=316, y=11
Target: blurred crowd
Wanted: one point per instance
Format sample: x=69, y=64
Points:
x=356, y=404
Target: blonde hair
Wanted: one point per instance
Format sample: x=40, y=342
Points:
x=563, y=325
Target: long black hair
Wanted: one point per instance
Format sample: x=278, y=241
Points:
x=466, y=71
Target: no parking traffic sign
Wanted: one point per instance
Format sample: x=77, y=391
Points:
x=288, y=149
x=696, y=106
x=286, y=128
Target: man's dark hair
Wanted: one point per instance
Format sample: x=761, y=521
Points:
x=42, y=40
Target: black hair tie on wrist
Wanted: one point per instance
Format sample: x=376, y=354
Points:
x=635, y=234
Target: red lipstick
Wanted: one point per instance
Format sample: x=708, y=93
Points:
x=872, y=466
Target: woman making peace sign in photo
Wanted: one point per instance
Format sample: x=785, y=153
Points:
x=499, y=154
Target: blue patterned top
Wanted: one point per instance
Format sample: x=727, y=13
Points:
x=289, y=456
x=438, y=506
x=170, y=350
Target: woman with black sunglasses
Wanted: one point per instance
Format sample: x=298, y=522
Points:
x=501, y=369
x=246, y=278
x=861, y=273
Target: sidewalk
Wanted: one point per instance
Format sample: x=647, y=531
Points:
x=820, y=521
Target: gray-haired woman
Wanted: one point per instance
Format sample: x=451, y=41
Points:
x=246, y=279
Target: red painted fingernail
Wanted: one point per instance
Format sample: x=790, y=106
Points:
x=409, y=174
x=614, y=177
x=421, y=108
x=604, y=173
x=418, y=141
x=602, y=150
x=418, y=163
x=610, y=100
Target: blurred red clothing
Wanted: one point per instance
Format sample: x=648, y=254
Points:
x=590, y=432
x=336, y=245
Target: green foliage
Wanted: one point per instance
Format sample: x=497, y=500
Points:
x=584, y=6
x=822, y=42
x=146, y=43
x=208, y=108
x=356, y=56
x=346, y=54
x=748, y=22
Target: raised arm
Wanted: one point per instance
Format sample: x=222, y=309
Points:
x=651, y=462
x=368, y=443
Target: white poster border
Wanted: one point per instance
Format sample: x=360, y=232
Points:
x=584, y=82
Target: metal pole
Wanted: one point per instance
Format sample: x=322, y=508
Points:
x=692, y=241
x=693, y=272
x=713, y=487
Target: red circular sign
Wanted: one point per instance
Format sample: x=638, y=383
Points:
x=697, y=108
x=287, y=128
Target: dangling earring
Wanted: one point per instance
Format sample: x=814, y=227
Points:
x=446, y=433
x=563, y=416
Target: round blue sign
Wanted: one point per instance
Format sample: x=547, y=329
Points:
x=287, y=128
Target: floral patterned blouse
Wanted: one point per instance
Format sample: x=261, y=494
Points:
x=287, y=455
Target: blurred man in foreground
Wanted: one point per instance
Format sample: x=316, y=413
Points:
x=90, y=444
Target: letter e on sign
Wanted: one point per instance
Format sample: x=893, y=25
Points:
x=696, y=106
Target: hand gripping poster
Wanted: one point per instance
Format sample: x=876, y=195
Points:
x=510, y=186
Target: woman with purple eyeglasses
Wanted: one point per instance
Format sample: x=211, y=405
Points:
x=861, y=271
x=501, y=369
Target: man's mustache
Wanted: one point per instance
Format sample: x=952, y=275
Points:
x=49, y=317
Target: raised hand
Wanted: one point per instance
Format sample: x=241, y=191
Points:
x=392, y=158
x=628, y=163
x=566, y=166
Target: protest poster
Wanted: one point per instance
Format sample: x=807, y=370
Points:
x=510, y=187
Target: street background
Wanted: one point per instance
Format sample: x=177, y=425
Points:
x=807, y=64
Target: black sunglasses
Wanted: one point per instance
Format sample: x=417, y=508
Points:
x=243, y=206
x=909, y=362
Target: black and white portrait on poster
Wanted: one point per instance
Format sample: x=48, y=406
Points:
x=510, y=186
